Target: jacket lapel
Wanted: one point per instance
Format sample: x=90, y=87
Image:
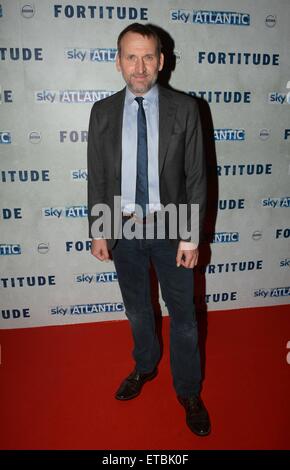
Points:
x=167, y=110
x=116, y=124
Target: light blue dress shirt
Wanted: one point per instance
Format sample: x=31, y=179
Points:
x=129, y=149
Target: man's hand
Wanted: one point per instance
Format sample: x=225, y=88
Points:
x=99, y=249
x=186, y=257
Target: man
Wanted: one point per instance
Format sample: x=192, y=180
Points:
x=145, y=145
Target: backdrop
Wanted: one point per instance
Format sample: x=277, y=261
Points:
x=57, y=58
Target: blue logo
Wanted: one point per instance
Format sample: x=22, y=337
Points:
x=229, y=134
x=71, y=96
x=210, y=17
x=286, y=134
x=276, y=202
x=104, y=277
x=279, y=98
x=223, y=96
x=223, y=237
x=99, y=54
x=87, y=309
x=5, y=137
x=273, y=292
x=107, y=12
x=72, y=211
x=285, y=263
x=10, y=249
x=1, y=11
x=79, y=175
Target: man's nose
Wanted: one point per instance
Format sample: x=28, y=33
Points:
x=140, y=66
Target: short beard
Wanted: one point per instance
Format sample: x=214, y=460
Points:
x=144, y=89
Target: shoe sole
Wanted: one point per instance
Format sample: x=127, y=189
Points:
x=204, y=434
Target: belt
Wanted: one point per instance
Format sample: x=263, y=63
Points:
x=148, y=219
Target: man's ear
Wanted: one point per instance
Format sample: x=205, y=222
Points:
x=118, y=65
x=161, y=62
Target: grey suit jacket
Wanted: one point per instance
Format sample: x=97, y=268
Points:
x=182, y=172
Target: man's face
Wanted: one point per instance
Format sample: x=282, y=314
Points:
x=139, y=62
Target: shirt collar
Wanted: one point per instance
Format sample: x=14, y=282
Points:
x=150, y=97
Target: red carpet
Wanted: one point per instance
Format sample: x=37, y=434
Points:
x=58, y=384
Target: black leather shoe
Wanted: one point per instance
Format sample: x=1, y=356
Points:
x=197, y=417
x=131, y=387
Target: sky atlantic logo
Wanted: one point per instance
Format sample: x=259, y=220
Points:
x=210, y=17
x=71, y=96
x=60, y=212
x=272, y=292
x=275, y=202
x=276, y=97
x=5, y=137
x=87, y=309
x=99, y=12
x=284, y=263
x=235, y=97
x=79, y=175
x=99, y=54
x=223, y=237
x=96, y=278
x=7, y=249
x=229, y=134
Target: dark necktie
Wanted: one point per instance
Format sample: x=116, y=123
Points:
x=142, y=194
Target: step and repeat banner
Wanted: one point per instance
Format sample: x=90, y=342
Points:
x=58, y=58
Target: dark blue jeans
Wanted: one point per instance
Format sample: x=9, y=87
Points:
x=132, y=261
